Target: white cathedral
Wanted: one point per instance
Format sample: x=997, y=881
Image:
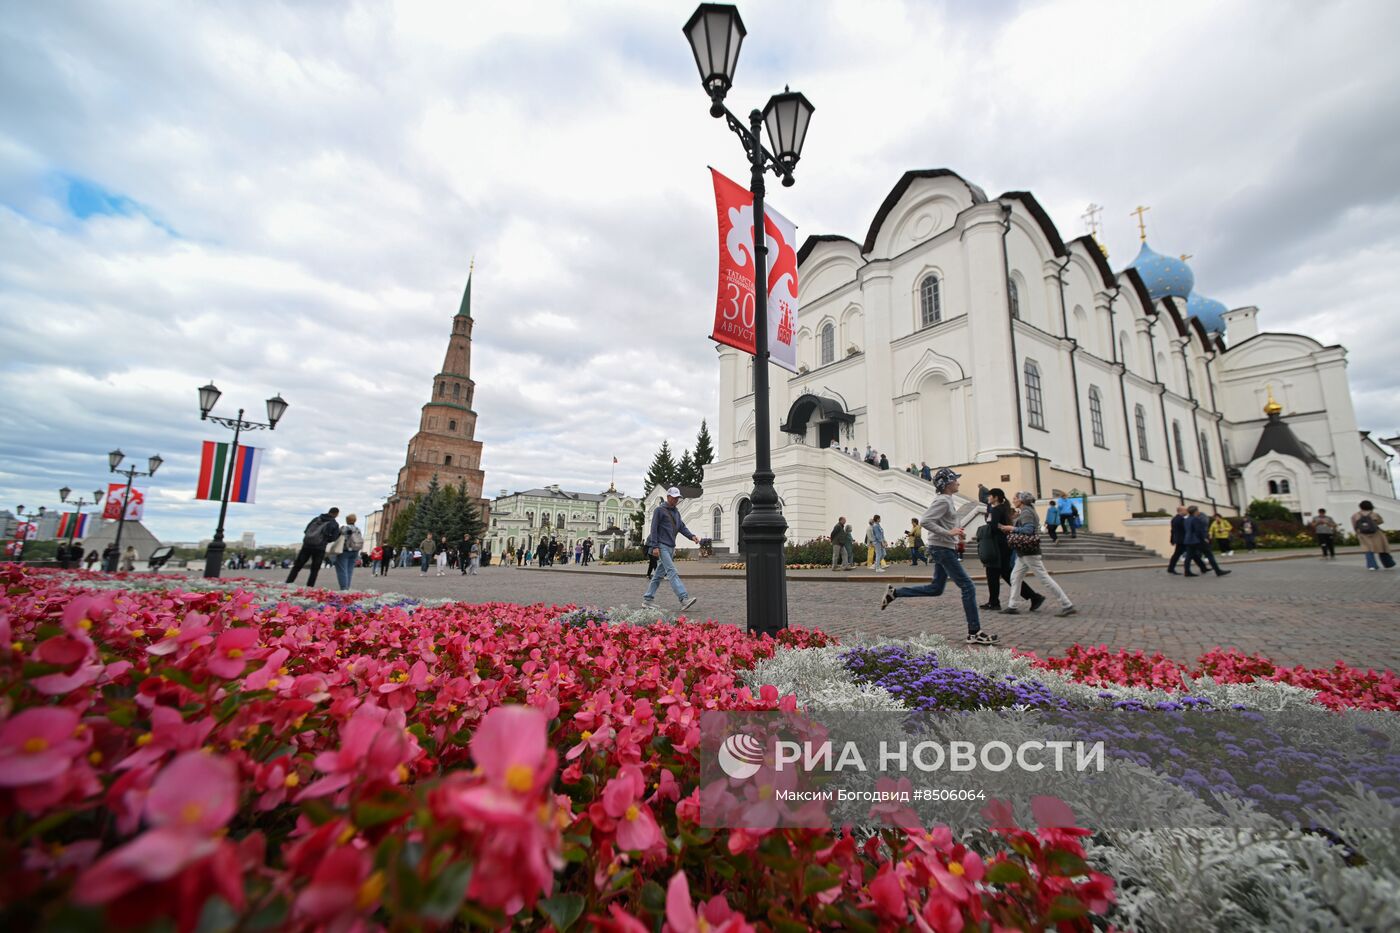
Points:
x=964, y=331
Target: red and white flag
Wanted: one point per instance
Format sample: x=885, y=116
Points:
x=734, y=305
x=26, y=531
x=112, y=507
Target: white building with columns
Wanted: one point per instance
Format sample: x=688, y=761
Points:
x=964, y=331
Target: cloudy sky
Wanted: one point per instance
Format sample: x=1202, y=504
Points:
x=286, y=197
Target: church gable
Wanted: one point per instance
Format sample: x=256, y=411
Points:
x=922, y=205
x=825, y=265
x=1271, y=350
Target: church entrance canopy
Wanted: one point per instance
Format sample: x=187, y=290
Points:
x=828, y=414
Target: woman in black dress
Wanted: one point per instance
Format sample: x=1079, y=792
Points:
x=999, y=513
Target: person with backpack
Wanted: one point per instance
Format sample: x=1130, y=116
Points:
x=348, y=547
x=319, y=533
x=1052, y=520
x=840, y=545
x=1367, y=525
x=666, y=524
x=1069, y=518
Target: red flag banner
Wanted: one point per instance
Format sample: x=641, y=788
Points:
x=112, y=507
x=734, y=305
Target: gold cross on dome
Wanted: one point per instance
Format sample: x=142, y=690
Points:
x=1142, y=227
x=1186, y=256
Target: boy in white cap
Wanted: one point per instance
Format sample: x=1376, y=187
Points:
x=941, y=523
x=665, y=525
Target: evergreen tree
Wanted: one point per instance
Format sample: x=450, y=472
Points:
x=399, y=533
x=686, y=472
x=430, y=514
x=465, y=519
x=662, y=471
x=704, y=452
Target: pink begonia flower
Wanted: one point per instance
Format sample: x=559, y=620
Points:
x=192, y=798
x=169, y=733
x=84, y=611
x=38, y=745
x=232, y=652
x=343, y=886
x=512, y=748
x=267, y=676
x=374, y=744
x=53, y=859
x=618, y=921
x=940, y=914
x=714, y=916
x=63, y=650
x=887, y=895
x=622, y=800
x=194, y=630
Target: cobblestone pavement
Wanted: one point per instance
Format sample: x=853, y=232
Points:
x=1300, y=611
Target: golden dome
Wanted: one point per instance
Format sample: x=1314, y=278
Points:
x=1272, y=407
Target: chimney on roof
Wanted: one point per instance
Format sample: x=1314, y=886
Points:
x=1240, y=324
x=504, y=493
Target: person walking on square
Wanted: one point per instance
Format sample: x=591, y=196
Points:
x=666, y=524
x=129, y=559
x=319, y=533
x=943, y=533
x=1052, y=520
x=1198, y=542
x=1249, y=532
x=1326, y=530
x=877, y=540
x=915, y=534
x=1220, y=534
x=1179, y=546
x=376, y=559
x=351, y=542
x=997, y=558
x=471, y=555
x=839, y=553
x=1367, y=524
x=1028, y=557
x=441, y=556
x=427, y=548
x=1069, y=518
x=92, y=558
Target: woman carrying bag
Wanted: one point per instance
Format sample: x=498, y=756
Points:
x=995, y=554
x=1024, y=540
x=1367, y=525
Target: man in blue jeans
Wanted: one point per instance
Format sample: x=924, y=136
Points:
x=661, y=542
x=943, y=531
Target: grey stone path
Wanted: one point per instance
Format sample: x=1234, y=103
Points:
x=1297, y=611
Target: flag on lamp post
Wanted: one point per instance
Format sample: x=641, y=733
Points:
x=74, y=522
x=112, y=507
x=214, y=468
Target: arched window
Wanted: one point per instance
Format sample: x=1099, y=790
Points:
x=529, y=519
x=1273, y=487
x=447, y=460
x=1283, y=487
x=1096, y=416
x=1014, y=296
x=717, y=525
x=559, y=520
x=1205, y=456
x=930, y=301
x=456, y=390
x=828, y=344
x=1180, y=449
x=1035, y=407
x=1140, y=416
x=451, y=425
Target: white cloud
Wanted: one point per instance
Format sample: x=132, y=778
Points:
x=312, y=180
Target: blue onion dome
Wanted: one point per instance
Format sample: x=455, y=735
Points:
x=1163, y=275
x=1208, y=311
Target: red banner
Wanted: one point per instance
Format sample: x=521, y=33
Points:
x=734, y=305
x=112, y=508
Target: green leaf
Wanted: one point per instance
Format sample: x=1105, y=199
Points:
x=724, y=869
x=623, y=878
x=1065, y=907
x=654, y=897
x=447, y=891
x=273, y=916
x=563, y=909
x=1006, y=873
x=216, y=917
x=1066, y=864
x=47, y=823
x=373, y=814
x=820, y=879
x=47, y=631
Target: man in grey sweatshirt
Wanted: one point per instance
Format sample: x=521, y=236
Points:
x=940, y=521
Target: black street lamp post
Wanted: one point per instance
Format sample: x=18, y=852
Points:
x=114, y=460
x=208, y=398
x=73, y=525
x=26, y=518
x=716, y=32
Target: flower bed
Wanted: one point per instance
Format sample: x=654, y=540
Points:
x=230, y=758
x=1338, y=687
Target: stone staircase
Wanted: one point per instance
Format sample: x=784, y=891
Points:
x=1093, y=547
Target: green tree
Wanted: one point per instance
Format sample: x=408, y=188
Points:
x=662, y=471
x=704, y=452
x=398, y=533
x=464, y=518
x=431, y=514
x=1263, y=510
x=686, y=472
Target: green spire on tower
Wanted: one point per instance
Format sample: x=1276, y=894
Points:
x=466, y=309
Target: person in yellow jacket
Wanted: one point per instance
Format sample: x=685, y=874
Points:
x=1220, y=533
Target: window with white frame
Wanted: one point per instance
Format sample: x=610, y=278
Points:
x=1205, y=457
x=1096, y=416
x=1140, y=416
x=718, y=524
x=1035, y=405
x=828, y=343
x=1014, y=297
x=1180, y=448
x=930, y=301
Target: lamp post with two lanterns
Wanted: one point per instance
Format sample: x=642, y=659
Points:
x=715, y=32
x=73, y=525
x=114, y=460
x=208, y=398
x=22, y=533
